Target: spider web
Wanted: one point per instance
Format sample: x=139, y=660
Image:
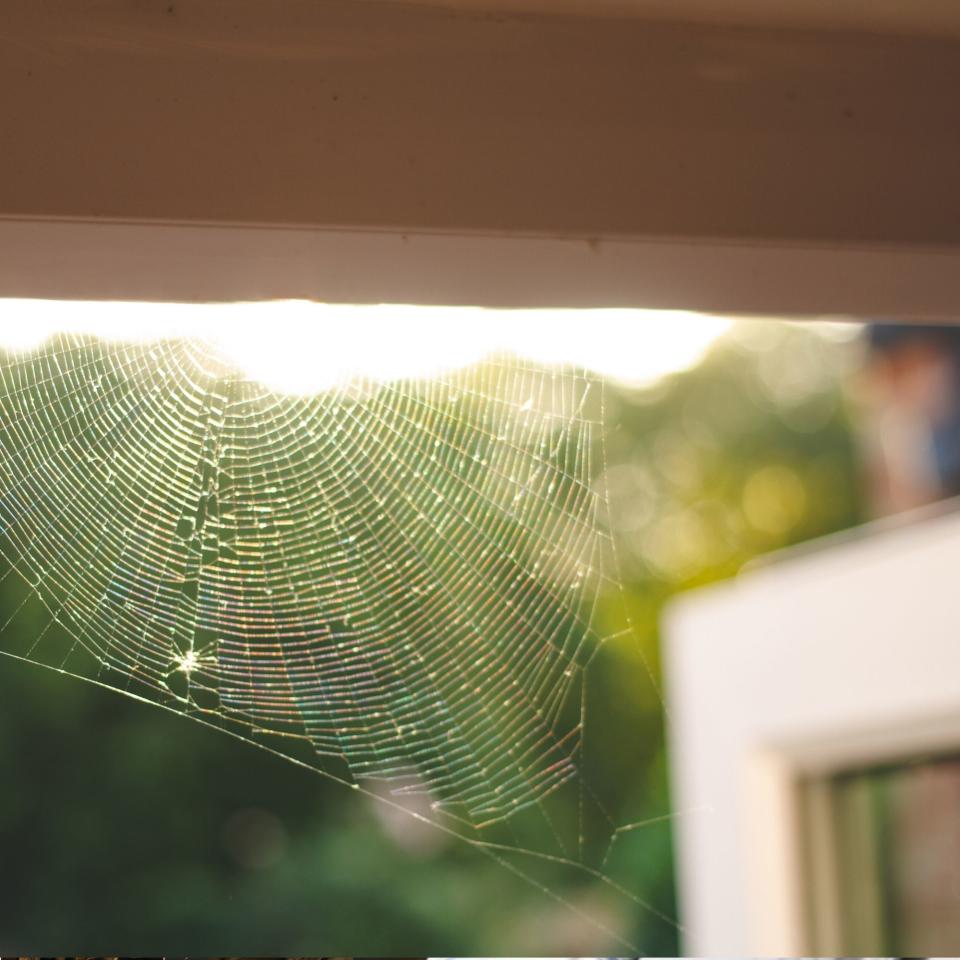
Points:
x=400, y=580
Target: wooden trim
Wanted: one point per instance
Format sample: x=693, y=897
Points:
x=411, y=118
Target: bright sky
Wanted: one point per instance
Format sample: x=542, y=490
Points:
x=295, y=346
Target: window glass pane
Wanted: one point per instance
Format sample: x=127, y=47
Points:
x=884, y=847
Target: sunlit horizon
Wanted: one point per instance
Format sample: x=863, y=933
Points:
x=301, y=347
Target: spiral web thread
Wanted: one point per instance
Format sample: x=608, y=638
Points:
x=403, y=576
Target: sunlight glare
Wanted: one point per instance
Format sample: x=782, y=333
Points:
x=300, y=347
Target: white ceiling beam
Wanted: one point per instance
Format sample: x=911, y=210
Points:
x=114, y=261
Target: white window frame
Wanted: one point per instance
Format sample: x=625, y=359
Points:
x=838, y=658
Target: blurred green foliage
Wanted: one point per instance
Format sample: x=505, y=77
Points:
x=126, y=829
